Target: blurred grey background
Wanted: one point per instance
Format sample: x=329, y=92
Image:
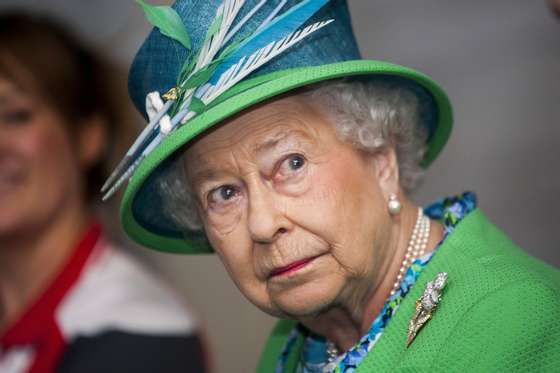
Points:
x=498, y=60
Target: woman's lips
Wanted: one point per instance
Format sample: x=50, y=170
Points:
x=292, y=267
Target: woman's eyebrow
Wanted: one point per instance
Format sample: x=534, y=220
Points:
x=9, y=97
x=204, y=176
x=203, y=172
x=282, y=139
x=270, y=143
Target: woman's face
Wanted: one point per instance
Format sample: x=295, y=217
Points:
x=297, y=216
x=39, y=171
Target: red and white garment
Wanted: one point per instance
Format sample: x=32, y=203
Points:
x=103, y=312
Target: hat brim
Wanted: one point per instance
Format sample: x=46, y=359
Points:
x=251, y=92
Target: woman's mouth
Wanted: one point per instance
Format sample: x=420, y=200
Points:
x=292, y=267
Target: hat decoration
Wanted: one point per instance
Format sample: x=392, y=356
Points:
x=224, y=59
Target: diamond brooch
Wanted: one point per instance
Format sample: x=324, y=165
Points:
x=426, y=305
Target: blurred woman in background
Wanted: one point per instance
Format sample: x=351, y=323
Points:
x=69, y=299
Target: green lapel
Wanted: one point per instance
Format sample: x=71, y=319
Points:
x=461, y=256
x=274, y=346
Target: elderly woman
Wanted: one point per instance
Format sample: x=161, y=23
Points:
x=292, y=159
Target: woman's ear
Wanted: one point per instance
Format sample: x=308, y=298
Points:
x=92, y=141
x=387, y=170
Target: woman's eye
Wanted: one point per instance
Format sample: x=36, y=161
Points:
x=292, y=164
x=222, y=194
x=16, y=117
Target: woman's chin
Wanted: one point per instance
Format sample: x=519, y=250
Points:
x=305, y=300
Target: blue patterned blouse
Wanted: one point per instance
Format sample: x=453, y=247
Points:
x=314, y=357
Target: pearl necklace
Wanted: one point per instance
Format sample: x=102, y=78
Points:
x=416, y=246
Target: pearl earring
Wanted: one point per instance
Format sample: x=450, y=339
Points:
x=394, y=204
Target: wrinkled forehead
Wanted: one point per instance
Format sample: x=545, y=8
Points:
x=260, y=130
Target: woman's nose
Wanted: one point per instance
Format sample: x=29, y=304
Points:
x=267, y=218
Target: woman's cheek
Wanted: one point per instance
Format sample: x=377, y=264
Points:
x=224, y=221
x=34, y=145
x=314, y=206
x=47, y=165
x=54, y=153
x=235, y=253
x=320, y=201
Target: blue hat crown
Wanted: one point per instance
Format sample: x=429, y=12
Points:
x=159, y=61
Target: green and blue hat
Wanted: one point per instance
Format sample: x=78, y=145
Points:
x=206, y=60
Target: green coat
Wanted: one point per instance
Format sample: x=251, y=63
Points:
x=500, y=312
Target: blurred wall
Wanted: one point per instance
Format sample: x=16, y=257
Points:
x=500, y=63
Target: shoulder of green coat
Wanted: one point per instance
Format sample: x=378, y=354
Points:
x=274, y=345
x=516, y=328
x=487, y=276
